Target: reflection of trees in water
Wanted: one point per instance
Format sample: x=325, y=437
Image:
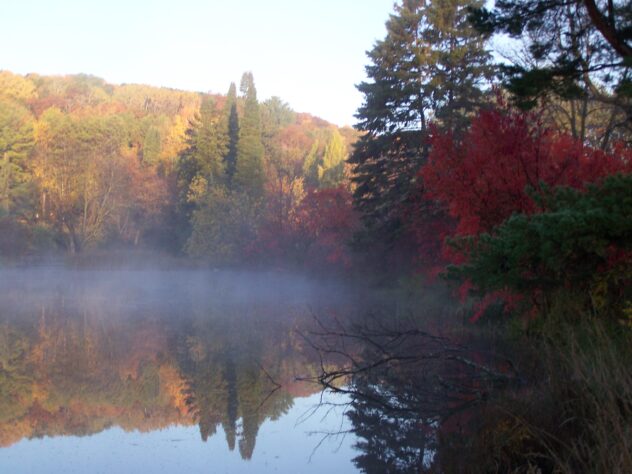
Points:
x=227, y=385
x=15, y=383
x=390, y=440
x=411, y=392
x=73, y=370
x=78, y=357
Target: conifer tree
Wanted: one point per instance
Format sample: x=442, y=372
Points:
x=249, y=176
x=232, y=131
x=211, y=144
x=570, y=42
x=200, y=165
x=429, y=68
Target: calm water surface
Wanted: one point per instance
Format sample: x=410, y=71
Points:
x=172, y=371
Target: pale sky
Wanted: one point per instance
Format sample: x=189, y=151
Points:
x=309, y=53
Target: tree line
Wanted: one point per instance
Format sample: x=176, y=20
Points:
x=88, y=165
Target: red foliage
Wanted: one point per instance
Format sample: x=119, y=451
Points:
x=39, y=105
x=294, y=136
x=146, y=196
x=483, y=179
x=427, y=227
x=317, y=236
x=326, y=220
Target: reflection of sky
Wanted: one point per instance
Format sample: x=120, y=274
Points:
x=282, y=446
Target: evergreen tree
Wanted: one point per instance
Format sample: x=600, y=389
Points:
x=429, y=67
x=577, y=53
x=203, y=158
x=232, y=131
x=211, y=144
x=249, y=175
x=275, y=114
x=222, y=225
x=200, y=166
x=567, y=41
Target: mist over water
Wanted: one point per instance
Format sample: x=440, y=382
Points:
x=180, y=358
x=168, y=288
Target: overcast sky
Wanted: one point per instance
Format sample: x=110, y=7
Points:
x=309, y=53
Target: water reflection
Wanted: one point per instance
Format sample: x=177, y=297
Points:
x=213, y=358
x=81, y=352
x=417, y=397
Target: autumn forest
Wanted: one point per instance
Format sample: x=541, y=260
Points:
x=88, y=165
x=481, y=205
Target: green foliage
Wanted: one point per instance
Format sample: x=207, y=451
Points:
x=16, y=87
x=232, y=131
x=223, y=226
x=249, y=175
x=15, y=383
x=310, y=165
x=202, y=165
x=580, y=244
x=576, y=53
x=431, y=66
x=16, y=144
x=151, y=146
x=275, y=114
x=210, y=146
x=84, y=163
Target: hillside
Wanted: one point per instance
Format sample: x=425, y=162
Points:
x=87, y=164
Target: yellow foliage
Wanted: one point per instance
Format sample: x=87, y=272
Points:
x=175, y=139
x=173, y=386
x=17, y=87
x=197, y=189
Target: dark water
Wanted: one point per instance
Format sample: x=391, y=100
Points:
x=138, y=371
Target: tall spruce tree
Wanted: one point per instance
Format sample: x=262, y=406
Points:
x=249, y=175
x=200, y=165
x=210, y=144
x=429, y=68
x=232, y=131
